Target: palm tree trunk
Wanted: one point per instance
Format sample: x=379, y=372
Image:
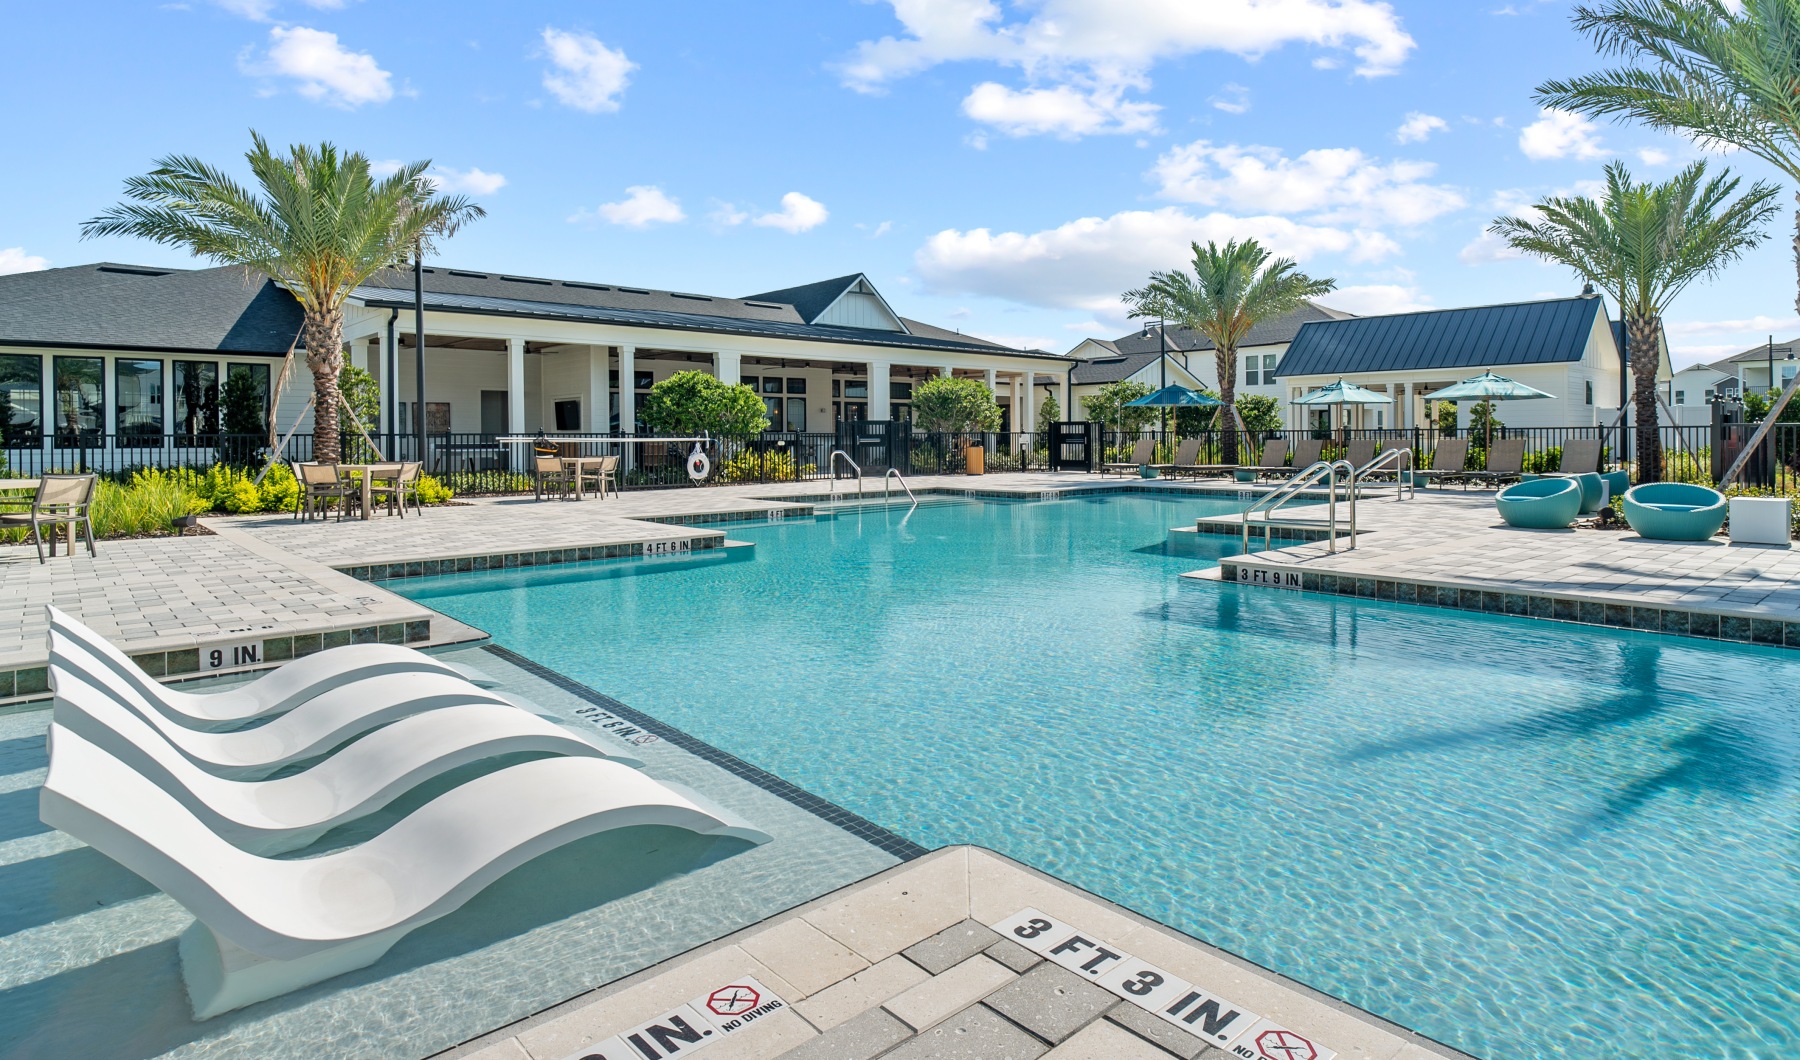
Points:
x=325, y=356
x=1646, y=358
x=1225, y=363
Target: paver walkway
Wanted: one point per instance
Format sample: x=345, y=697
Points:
x=906, y=966
x=1451, y=549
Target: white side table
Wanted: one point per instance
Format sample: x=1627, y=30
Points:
x=1760, y=520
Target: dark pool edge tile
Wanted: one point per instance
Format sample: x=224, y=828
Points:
x=831, y=813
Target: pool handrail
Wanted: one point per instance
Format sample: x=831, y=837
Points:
x=1402, y=459
x=894, y=472
x=1287, y=491
x=831, y=467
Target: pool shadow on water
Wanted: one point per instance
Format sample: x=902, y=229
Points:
x=19, y=815
x=134, y=1004
x=40, y=891
x=23, y=754
x=1713, y=758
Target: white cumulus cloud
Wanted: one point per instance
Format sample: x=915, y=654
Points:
x=1086, y=263
x=1560, y=134
x=1419, y=126
x=1375, y=299
x=1064, y=111
x=1334, y=185
x=585, y=74
x=471, y=181
x=1103, y=48
x=321, y=68
x=798, y=213
x=642, y=206
x=1651, y=156
x=14, y=259
x=1232, y=99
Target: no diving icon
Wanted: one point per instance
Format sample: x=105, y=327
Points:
x=731, y=1000
x=1284, y=1045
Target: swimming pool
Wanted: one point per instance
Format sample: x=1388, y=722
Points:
x=1525, y=838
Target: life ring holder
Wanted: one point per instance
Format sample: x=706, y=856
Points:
x=699, y=465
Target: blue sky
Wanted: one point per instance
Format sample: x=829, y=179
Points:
x=1001, y=167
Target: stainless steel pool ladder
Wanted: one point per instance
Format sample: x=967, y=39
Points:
x=831, y=465
x=1401, y=460
x=894, y=472
x=1335, y=472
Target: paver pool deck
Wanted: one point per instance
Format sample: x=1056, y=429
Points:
x=903, y=964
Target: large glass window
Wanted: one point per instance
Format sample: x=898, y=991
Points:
x=196, y=398
x=796, y=413
x=80, y=397
x=21, y=399
x=138, y=400
x=244, y=403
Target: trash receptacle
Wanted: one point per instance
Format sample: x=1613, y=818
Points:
x=975, y=460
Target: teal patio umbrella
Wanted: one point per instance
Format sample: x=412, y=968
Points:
x=1489, y=387
x=1174, y=397
x=1340, y=394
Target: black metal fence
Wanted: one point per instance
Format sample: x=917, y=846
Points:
x=486, y=463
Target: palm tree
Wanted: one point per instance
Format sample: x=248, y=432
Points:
x=318, y=224
x=1231, y=288
x=1645, y=243
x=1723, y=74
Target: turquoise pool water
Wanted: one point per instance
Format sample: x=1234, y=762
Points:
x=1527, y=839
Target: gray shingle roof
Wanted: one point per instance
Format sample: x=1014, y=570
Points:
x=1263, y=333
x=810, y=299
x=1110, y=369
x=701, y=320
x=1545, y=332
x=109, y=306
x=442, y=280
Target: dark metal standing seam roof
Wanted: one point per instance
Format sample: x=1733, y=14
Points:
x=386, y=298
x=1547, y=332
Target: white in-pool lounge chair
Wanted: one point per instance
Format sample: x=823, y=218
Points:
x=290, y=685
x=310, y=729
x=275, y=816
x=266, y=927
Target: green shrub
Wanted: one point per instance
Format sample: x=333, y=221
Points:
x=774, y=465
x=432, y=491
x=280, y=490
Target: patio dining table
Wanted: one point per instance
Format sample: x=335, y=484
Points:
x=580, y=465
x=371, y=472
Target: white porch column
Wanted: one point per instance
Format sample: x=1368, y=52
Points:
x=993, y=383
x=1412, y=404
x=944, y=372
x=628, y=391
x=1393, y=415
x=598, y=393
x=515, y=386
x=1029, y=399
x=727, y=365
x=881, y=389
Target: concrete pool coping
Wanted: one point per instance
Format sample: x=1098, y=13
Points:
x=905, y=964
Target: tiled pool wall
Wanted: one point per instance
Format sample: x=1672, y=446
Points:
x=1684, y=622
x=543, y=557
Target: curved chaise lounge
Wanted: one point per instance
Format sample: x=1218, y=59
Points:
x=1675, y=511
x=268, y=926
x=275, y=816
x=290, y=685
x=309, y=729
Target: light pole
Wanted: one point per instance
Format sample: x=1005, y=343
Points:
x=1162, y=368
x=1789, y=350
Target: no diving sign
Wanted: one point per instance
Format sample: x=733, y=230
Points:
x=686, y=1029
x=1194, y=1009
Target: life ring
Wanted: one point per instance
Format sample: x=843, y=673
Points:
x=698, y=466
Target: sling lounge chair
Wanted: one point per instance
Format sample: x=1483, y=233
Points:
x=312, y=728
x=1273, y=460
x=1187, y=461
x=290, y=685
x=1141, y=455
x=1360, y=452
x=266, y=927
x=1307, y=452
x=1580, y=456
x=1505, y=461
x=275, y=816
x=1446, y=461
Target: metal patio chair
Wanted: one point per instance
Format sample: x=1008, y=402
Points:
x=61, y=500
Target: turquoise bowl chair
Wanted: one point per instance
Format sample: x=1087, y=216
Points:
x=1540, y=504
x=1617, y=482
x=1593, y=491
x=1674, y=511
